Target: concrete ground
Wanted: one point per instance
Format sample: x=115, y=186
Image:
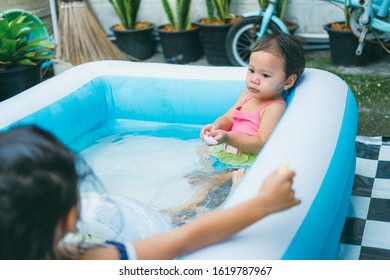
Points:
x=381, y=67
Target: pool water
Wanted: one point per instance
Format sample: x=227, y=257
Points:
x=165, y=166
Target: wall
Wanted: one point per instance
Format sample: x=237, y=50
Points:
x=40, y=8
x=311, y=15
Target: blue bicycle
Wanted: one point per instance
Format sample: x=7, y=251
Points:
x=369, y=21
x=243, y=35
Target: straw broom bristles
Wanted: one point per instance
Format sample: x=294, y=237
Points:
x=82, y=39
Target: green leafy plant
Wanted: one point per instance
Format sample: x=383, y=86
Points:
x=280, y=8
x=263, y=4
x=15, y=46
x=345, y=26
x=279, y=12
x=347, y=16
x=127, y=11
x=219, y=11
x=210, y=10
x=182, y=19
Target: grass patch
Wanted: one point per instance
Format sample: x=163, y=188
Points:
x=371, y=90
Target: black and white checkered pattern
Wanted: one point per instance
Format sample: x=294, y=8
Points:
x=366, y=233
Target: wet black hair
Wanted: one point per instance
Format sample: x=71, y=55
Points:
x=288, y=47
x=38, y=187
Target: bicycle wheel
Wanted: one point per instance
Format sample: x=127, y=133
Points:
x=242, y=37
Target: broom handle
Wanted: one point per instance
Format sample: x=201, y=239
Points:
x=54, y=20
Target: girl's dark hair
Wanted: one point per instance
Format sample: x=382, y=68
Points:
x=286, y=46
x=38, y=187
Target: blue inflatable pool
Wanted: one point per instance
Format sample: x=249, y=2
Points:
x=316, y=136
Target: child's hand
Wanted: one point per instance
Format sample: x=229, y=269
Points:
x=221, y=136
x=216, y=136
x=276, y=191
x=206, y=130
x=210, y=141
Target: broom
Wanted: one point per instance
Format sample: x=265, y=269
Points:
x=81, y=37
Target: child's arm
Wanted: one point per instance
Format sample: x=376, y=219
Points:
x=253, y=144
x=223, y=122
x=275, y=195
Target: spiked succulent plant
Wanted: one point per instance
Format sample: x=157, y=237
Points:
x=127, y=11
x=16, y=46
x=182, y=19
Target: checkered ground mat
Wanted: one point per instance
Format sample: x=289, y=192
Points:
x=366, y=233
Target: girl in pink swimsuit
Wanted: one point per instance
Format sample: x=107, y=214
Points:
x=276, y=63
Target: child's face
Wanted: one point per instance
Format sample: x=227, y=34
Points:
x=265, y=78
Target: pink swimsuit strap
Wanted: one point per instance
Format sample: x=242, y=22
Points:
x=249, y=97
x=248, y=123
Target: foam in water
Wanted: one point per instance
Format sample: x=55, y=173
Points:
x=164, y=167
x=146, y=168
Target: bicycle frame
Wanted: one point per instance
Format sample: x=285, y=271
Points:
x=267, y=16
x=381, y=11
x=374, y=18
x=373, y=12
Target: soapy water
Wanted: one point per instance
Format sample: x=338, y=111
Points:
x=171, y=175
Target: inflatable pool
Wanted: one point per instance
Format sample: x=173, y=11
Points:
x=316, y=137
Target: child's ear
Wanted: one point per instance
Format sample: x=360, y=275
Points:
x=71, y=219
x=290, y=82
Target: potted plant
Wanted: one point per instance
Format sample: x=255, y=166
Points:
x=343, y=43
x=180, y=40
x=133, y=37
x=21, y=53
x=213, y=30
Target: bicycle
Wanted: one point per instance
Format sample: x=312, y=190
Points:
x=369, y=20
x=244, y=34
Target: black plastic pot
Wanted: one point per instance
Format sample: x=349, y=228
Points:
x=180, y=47
x=139, y=43
x=213, y=38
x=343, y=45
x=292, y=27
x=16, y=79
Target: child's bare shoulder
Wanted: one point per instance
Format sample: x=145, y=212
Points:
x=275, y=108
